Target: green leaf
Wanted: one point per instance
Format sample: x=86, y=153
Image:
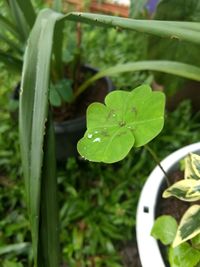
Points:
x=57, y=64
x=64, y=88
x=32, y=124
x=170, y=49
x=9, y=26
x=196, y=241
x=8, y=263
x=187, y=31
x=48, y=237
x=15, y=248
x=184, y=11
x=77, y=238
x=28, y=11
x=57, y=5
x=19, y=20
x=11, y=43
x=189, y=225
x=189, y=169
x=171, y=67
x=195, y=161
x=164, y=229
x=187, y=190
x=11, y=62
x=54, y=97
x=183, y=255
x=126, y=119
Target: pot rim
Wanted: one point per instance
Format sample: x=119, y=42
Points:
x=148, y=248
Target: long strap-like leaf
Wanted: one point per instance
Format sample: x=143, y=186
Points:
x=28, y=11
x=5, y=24
x=33, y=118
x=48, y=244
x=183, y=31
x=11, y=62
x=19, y=20
x=171, y=67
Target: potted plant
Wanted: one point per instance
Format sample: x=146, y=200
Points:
x=35, y=117
x=148, y=207
x=66, y=76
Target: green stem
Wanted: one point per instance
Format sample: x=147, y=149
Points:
x=154, y=156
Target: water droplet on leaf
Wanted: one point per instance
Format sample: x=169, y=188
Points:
x=97, y=140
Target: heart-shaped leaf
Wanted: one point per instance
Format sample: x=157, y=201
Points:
x=164, y=229
x=127, y=119
x=184, y=255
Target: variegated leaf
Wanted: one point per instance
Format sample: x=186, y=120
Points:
x=189, y=171
x=195, y=160
x=187, y=190
x=194, y=191
x=189, y=226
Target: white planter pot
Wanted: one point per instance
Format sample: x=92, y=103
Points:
x=148, y=247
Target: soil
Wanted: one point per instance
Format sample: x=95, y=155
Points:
x=173, y=206
x=94, y=93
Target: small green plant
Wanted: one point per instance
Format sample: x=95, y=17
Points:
x=177, y=236
x=127, y=119
x=16, y=20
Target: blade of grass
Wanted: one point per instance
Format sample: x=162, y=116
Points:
x=57, y=51
x=7, y=25
x=33, y=117
x=19, y=19
x=15, y=248
x=48, y=237
x=11, y=62
x=28, y=11
x=57, y=5
x=11, y=43
x=170, y=67
x=179, y=30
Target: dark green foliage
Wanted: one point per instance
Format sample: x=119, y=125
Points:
x=119, y=46
x=61, y=92
x=174, y=49
x=98, y=202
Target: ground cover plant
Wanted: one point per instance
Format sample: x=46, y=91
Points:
x=112, y=190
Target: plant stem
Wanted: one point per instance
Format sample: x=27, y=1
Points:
x=154, y=156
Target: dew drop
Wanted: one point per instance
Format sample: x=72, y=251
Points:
x=89, y=136
x=97, y=140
